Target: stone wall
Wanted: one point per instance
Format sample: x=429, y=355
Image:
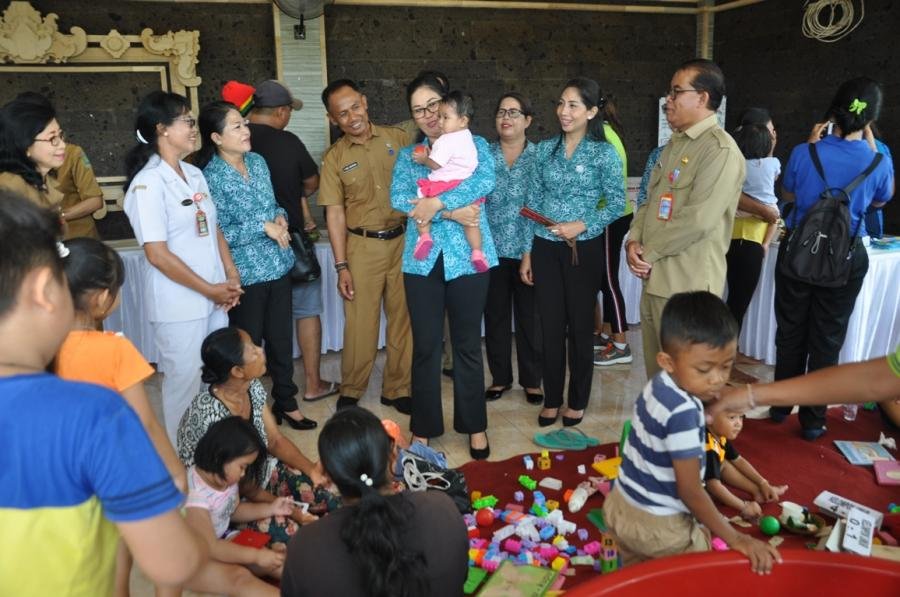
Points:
x=487, y=52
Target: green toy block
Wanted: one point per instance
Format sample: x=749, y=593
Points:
x=595, y=516
x=474, y=579
x=487, y=501
x=527, y=482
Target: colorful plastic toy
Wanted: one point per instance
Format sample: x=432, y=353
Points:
x=529, y=462
x=527, y=482
x=769, y=525
x=487, y=501
x=609, y=557
x=484, y=517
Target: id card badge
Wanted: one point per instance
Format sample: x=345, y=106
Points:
x=666, y=202
x=202, y=224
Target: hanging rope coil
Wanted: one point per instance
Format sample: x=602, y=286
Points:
x=831, y=20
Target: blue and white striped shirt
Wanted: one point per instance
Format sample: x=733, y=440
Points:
x=667, y=424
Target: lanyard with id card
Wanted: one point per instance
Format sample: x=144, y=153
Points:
x=202, y=223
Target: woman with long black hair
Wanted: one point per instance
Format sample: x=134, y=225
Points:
x=381, y=542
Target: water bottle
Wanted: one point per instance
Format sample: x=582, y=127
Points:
x=850, y=411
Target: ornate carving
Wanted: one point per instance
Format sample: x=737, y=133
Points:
x=27, y=38
x=115, y=44
x=183, y=45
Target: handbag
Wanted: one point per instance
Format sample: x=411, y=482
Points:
x=421, y=475
x=306, y=266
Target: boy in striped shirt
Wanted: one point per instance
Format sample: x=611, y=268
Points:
x=659, y=504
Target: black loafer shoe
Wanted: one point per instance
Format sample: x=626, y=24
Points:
x=491, y=395
x=572, y=421
x=402, y=404
x=345, y=402
x=547, y=421
x=480, y=453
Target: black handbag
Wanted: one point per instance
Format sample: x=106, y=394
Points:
x=306, y=266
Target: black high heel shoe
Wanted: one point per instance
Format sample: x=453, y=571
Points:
x=304, y=424
x=479, y=453
x=547, y=421
x=491, y=395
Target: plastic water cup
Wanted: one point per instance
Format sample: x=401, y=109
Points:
x=850, y=411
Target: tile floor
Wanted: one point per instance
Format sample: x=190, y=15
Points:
x=512, y=422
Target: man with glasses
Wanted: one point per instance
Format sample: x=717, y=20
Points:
x=679, y=237
x=367, y=237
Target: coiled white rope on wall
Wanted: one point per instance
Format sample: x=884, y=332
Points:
x=831, y=20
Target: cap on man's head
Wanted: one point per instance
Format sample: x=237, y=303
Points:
x=239, y=94
x=271, y=94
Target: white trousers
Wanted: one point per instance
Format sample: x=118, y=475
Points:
x=179, y=361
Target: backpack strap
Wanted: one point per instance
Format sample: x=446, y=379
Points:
x=814, y=155
x=863, y=175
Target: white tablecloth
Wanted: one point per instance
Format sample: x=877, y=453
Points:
x=874, y=327
x=129, y=317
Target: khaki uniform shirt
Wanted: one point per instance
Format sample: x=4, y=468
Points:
x=16, y=184
x=358, y=176
x=703, y=169
x=72, y=183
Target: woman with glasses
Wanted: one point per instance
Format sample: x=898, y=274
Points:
x=256, y=229
x=31, y=145
x=192, y=281
x=446, y=279
x=513, y=166
x=577, y=185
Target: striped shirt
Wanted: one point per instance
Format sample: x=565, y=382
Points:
x=667, y=424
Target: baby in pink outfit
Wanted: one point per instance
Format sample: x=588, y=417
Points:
x=452, y=160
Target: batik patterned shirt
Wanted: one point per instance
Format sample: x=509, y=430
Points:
x=508, y=227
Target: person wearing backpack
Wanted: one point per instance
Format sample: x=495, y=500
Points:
x=822, y=261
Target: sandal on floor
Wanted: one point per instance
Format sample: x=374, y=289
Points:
x=565, y=439
x=332, y=389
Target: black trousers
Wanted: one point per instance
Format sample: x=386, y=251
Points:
x=463, y=298
x=744, y=260
x=505, y=293
x=566, y=295
x=613, y=303
x=812, y=324
x=265, y=314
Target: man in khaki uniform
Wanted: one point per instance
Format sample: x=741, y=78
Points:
x=679, y=237
x=366, y=237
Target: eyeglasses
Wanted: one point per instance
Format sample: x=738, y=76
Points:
x=431, y=107
x=190, y=121
x=55, y=140
x=511, y=113
x=674, y=93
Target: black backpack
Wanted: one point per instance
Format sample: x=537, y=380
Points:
x=819, y=248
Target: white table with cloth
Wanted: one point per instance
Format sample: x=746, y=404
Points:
x=130, y=320
x=874, y=327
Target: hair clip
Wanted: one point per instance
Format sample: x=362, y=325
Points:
x=366, y=479
x=140, y=137
x=62, y=249
x=857, y=107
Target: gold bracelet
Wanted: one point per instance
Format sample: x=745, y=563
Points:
x=750, y=396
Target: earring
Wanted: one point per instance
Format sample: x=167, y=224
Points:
x=166, y=134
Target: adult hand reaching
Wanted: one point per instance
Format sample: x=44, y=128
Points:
x=424, y=209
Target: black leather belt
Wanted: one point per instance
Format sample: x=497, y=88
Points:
x=379, y=234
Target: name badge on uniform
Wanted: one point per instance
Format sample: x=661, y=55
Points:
x=350, y=166
x=666, y=201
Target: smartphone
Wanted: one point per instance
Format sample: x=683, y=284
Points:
x=828, y=128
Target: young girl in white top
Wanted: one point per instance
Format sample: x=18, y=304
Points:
x=230, y=451
x=757, y=144
x=452, y=160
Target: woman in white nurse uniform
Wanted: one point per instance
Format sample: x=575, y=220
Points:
x=192, y=281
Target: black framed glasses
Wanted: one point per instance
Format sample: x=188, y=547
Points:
x=55, y=140
x=674, y=93
x=189, y=120
x=511, y=113
x=431, y=107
